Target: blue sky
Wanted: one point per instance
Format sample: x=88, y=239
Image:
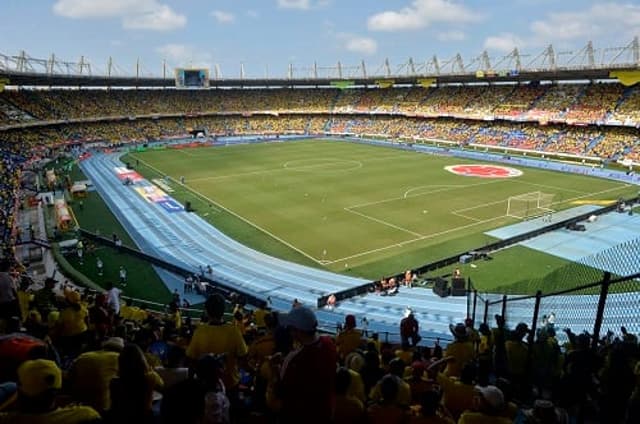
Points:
x=270, y=34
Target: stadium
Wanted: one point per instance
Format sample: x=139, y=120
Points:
x=490, y=202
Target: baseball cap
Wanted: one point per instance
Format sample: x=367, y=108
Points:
x=115, y=344
x=302, y=318
x=492, y=395
x=37, y=376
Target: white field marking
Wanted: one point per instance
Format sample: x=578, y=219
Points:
x=406, y=193
x=548, y=186
x=186, y=153
x=421, y=194
x=465, y=216
x=283, y=168
x=215, y=209
x=428, y=236
x=270, y=234
x=380, y=221
x=332, y=161
x=425, y=237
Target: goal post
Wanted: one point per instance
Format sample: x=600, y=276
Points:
x=529, y=205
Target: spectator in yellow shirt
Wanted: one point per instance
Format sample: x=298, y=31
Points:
x=217, y=337
x=461, y=350
x=91, y=373
x=39, y=382
x=70, y=329
x=349, y=339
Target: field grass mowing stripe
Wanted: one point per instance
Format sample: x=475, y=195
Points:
x=298, y=168
x=548, y=186
x=428, y=236
x=393, y=199
x=380, y=221
x=424, y=237
x=213, y=202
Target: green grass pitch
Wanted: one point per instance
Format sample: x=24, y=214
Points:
x=358, y=209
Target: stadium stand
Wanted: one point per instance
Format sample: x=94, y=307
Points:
x=73, y=355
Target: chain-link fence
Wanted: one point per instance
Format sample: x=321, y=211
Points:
x=596, y=294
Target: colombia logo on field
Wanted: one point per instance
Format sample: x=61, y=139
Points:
x=484, y=171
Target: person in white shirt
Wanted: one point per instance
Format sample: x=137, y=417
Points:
x=113, y=298
x=123, y=276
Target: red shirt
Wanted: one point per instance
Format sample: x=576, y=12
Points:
x=307, y=383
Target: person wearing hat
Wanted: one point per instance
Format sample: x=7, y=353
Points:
x=307, y=374
x=71, y=327
x=461, y=350
x=91, y=373
x=39, y=382
x=488, y=403
x=349, y=339
x=410, y=329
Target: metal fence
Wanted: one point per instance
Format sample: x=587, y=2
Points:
x=600, y=293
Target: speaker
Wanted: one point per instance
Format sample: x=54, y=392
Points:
x=441, y=287
x=458, y=287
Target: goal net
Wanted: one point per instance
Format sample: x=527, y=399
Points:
x=529, y=205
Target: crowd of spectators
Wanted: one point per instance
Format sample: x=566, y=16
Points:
x=77, y=357
x=606, y=142
x=582, y=103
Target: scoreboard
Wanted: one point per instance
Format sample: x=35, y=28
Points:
x=192, y=78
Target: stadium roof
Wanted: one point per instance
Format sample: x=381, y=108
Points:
x=36, y=79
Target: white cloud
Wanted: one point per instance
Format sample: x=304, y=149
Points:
x=253, y=13
x=135, y=14
x=185, y=55
x=161, y=19
x=584, y=24
x=504, y=42
x=363, y=45
x=452, y=35
x=223, y=17
x=599, y=20
x=294, y=4
x=422, y=13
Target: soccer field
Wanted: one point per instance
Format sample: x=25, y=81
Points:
x=354, y=208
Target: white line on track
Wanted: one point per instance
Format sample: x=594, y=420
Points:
x=270, y=234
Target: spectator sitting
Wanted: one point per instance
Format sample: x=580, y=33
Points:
x=431, y=411
x=132, y=391
x=91, y=373
x=348, y=409
x=403, y=394
x=209, y=371
x=488, y=404
x=174, y=371
x=387, y=409
x=183, y=403
x=39, y=382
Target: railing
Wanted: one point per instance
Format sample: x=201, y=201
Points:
x=613, y=305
